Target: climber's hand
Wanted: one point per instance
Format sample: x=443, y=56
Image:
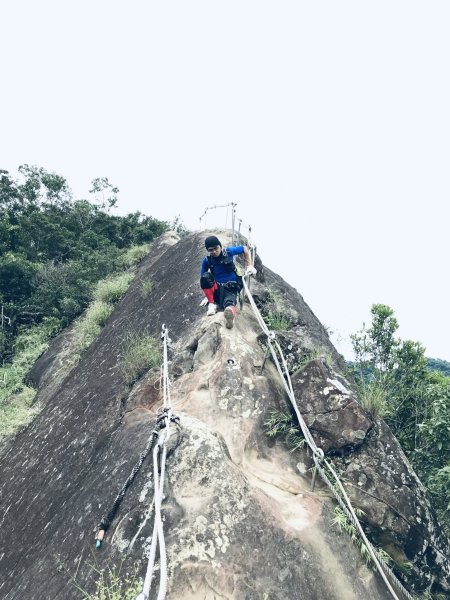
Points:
x=250, y=271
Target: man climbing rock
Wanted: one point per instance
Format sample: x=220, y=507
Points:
x=220, y=278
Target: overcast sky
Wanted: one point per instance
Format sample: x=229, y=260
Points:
x=326, y=122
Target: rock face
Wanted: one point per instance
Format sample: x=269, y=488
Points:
x=330, y=410
x=240, y=519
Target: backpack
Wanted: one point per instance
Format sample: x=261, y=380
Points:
x=230, y=266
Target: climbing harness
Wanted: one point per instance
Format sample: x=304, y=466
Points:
x=321, y=464
x=159, y=452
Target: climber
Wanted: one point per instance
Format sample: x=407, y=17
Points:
x=220, y=278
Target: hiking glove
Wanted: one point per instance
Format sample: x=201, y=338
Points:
x=250, y=271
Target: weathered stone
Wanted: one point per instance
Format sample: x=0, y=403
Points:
x=240, y=520
x=330, y=408
x=395, y=505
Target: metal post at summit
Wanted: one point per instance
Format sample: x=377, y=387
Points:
x=233, y=218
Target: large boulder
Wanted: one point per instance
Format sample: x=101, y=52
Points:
x=330, y=408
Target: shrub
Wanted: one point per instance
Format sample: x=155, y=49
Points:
x=140, y=353
x=373, y=398
x=279, y=423
x=113, y=288
x=17, y=412
x=315, y=354
x=134, y=255
x=146, y=288
x=110, y=585
x=30, y=343
x=89, y=326
x=277, y=321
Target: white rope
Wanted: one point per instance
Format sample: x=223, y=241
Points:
x=346, y=505
x=142, y=525
x=158, y=529
x=318, y=454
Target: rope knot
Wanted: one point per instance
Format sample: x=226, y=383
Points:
x=319, y=454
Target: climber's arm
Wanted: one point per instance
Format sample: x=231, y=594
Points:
x=247, y=257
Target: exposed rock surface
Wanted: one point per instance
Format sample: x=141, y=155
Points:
x=240, y=520
x=329, y=408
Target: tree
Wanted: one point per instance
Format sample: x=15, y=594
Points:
x=374, y=347
x=105, y=193
x=415, y=402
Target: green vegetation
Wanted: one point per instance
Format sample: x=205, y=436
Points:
x=16, y=398
x=146, y=288
x=344, y=524
x=111, y=584
x=54, y=249
x=395, y=382
x=53, y=252
x=439, y=365
x=140, y=353
x=279, y=423
x=273, y=310
x=112, y=289
x=134, y=255
x=315, y=354
x=17, y=412
x=372, y=397
x=277, y=321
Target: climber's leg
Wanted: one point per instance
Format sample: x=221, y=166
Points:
x=209, y=286
x=229, y=305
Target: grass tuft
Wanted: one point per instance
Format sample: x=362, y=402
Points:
x=279, y=423
x=277, y=321
x=16, y=398
x=373, y=398
x=315, y=354
x=89, y=326
x=146, y=288
x=18, y=412
x=343, y=523
x=111, y=584
x=112, y=289
x=134, y=255
x=140, y=353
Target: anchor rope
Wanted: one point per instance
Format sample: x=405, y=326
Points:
x=319, y=455
x=159, y=470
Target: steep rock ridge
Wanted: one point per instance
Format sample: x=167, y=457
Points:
x=378, y=477
x=240, y=519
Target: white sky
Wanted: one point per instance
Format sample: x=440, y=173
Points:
x=327, y=122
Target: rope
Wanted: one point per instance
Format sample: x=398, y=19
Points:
x=158, y=530
x=318, y=454
x=106, y=520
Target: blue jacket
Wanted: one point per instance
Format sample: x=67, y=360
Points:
x=221, y=272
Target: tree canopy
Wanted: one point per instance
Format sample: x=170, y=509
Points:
x=53, y=247
x=396, y=383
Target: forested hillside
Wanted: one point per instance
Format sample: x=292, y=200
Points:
x=54, y=251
